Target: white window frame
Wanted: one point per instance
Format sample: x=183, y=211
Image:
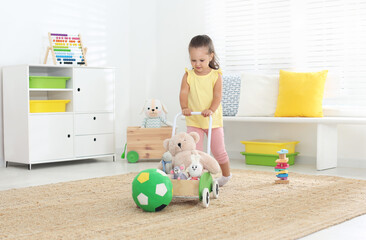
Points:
x=317, y=35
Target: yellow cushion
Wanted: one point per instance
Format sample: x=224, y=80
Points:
x=300, y=94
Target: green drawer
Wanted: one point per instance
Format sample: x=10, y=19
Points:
x=266, y=159
x=47, y=82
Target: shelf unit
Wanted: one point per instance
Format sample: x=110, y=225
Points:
x=85, y=130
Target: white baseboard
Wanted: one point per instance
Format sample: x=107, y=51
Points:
x=311, y=160
x=351, y=163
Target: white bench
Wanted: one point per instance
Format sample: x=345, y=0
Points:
x=327, y=133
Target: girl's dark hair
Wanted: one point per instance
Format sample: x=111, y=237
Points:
x=205, y=41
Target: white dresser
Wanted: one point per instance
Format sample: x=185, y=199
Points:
x=84, y=130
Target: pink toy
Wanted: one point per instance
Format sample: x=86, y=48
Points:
x=178, y=173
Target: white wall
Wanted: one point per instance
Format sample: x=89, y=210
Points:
x=134, y=35
x=104, y=26
x=178, y=22
x=143, y=56
x=160, y=34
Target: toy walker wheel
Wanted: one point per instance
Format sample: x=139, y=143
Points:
x=215, y=189
x=132, y=156
x=205, y=197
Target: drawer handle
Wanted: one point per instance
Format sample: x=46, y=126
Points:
x=78, y=89
x=94, y=118
x=68, y=135
x=95, y=139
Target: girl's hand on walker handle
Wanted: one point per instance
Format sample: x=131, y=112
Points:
x=206, y=112
x=186, y=112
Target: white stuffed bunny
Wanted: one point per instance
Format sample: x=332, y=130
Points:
x=155, y=113
x=196, y=168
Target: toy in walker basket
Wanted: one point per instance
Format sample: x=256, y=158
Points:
x=199, y=184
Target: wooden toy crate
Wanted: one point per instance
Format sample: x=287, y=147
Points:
x=147, y=142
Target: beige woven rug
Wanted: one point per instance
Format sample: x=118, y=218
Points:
x=251, y=206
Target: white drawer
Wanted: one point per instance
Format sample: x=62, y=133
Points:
x=90, y=145
x=94, y=123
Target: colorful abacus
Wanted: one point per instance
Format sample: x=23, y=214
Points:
x=66, y=49
x=281, y=167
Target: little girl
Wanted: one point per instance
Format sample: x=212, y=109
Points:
x=201, y=91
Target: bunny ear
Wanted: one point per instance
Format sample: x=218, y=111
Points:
x=166, y=144
x=143, y=108
x=195, y=158
x=164, y=108
x=182, y=167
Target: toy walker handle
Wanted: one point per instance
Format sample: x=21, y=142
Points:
x=209, y=129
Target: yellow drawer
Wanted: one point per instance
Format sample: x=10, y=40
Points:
x=40, y=106
x=268, y=146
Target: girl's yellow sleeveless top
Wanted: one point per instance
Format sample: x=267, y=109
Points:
x=200, y=98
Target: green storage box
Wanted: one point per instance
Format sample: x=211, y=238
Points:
x=266, y=159
x=47, y=82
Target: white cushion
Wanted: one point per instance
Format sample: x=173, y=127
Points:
x=258, y=95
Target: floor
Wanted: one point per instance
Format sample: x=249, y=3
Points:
x=17, y=176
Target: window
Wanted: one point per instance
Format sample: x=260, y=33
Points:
x=295, y=35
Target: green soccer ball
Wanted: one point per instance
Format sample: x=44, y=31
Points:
x=152, y=190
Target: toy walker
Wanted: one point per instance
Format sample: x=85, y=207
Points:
x=201, y=188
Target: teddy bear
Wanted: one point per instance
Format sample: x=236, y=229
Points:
x=182, y=146
x=155, y=114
